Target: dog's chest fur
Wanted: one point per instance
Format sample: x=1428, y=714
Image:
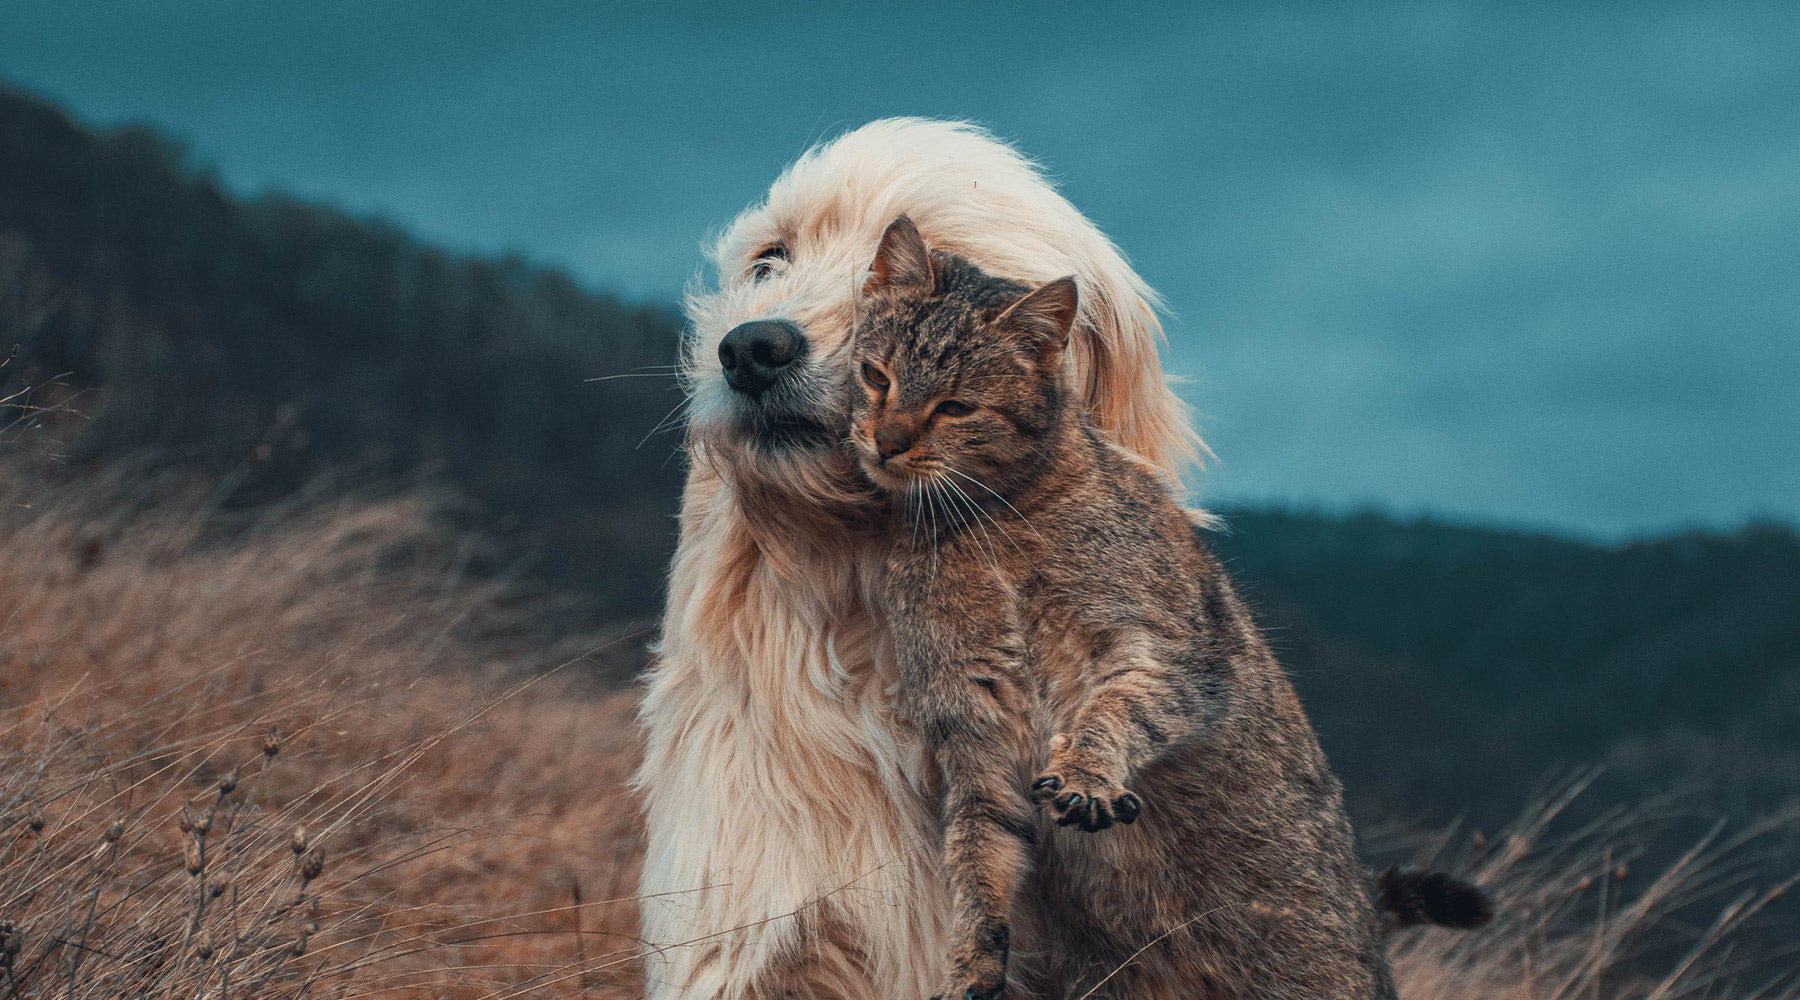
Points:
x=791, y=777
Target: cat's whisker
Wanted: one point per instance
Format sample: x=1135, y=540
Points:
x=952, y=516
x=954, y=502
x=981, y=508
x=1022, y=518
x=952, y=505
x=935, y=543
x=987, y=539
x=974, y=508
x=912, y=513
x=931, y=505
x=917, y=501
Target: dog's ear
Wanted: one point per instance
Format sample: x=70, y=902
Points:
x=1044, y=318
x=903, y=261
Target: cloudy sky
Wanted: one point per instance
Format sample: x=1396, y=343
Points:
x=1530, y=265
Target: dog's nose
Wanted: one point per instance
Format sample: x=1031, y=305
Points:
x=891, y=441
x=755, y=354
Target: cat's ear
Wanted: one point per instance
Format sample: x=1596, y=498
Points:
x=1044, y=317
x=903, y=261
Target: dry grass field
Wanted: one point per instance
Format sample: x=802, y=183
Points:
x=464, y=820
x=300, y=754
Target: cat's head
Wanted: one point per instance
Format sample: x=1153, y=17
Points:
x=958, y=375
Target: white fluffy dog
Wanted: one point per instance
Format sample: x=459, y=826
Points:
x=792, y=817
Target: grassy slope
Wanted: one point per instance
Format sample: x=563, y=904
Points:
x=459, y=814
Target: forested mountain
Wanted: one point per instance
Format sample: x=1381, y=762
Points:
x=1673, y=661
x=266, y=340
x=272, y=339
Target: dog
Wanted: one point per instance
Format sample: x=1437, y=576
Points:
x=791, y=812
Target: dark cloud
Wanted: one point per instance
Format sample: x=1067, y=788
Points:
x=1531, y=264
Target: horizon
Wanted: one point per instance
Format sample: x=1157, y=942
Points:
x=1602, y=205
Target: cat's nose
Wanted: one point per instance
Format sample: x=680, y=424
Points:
x=755, y=354
x=891, y=441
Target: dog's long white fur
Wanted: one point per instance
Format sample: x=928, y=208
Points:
x=791, y=815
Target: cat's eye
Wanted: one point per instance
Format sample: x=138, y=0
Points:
x=763, y=264
x=876, y=378
x=954, y=408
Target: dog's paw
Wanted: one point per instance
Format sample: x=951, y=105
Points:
x=1079, y=794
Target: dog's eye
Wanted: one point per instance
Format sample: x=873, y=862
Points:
x=954, y=408
x=874, y=376
x=763, y=264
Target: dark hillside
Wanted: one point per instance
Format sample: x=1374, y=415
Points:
x=1673, y=661
x=273, y=339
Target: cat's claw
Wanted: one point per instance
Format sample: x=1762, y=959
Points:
x=1087, y=801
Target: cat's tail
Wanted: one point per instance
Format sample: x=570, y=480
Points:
x=1409, y=898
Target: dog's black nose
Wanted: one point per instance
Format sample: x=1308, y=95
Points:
x=755, y=354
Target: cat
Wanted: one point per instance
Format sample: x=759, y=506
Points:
x=1134, y=803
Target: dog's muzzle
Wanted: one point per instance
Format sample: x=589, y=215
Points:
x=757, y=354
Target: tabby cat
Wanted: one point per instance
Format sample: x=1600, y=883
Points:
x=1134, y=803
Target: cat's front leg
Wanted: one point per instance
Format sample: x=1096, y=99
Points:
x=987, y=839
x=989, y=832
x=965, y=694
x=1140, y=707
x=960, y=648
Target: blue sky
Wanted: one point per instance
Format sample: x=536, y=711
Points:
x=1517, y=263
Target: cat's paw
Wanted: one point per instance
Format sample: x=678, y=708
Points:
x=974, y=991
x=1081, y=796
x=978, y=966
x=976, y=984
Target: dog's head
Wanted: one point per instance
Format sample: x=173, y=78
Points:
x=767, y=362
